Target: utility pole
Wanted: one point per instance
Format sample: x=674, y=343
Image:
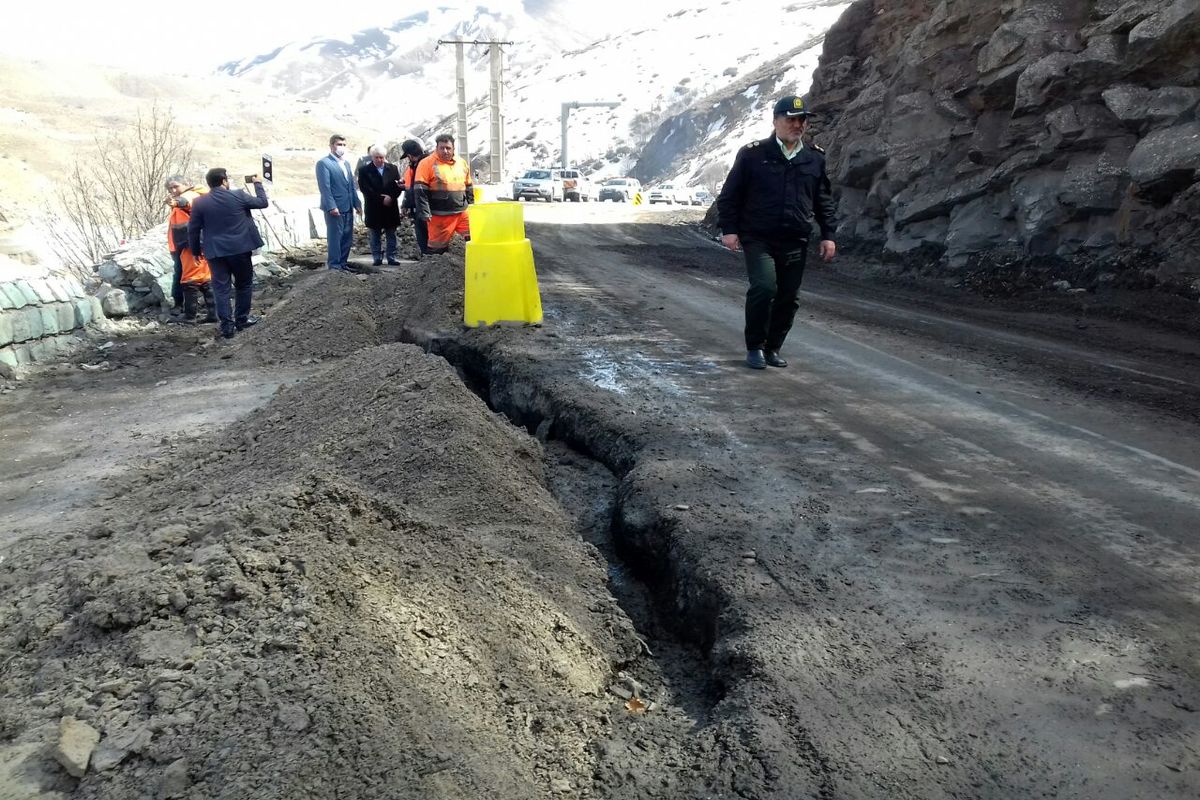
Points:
x=566, y=114
x=495, y=98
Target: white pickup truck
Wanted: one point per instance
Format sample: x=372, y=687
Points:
x=539, y=184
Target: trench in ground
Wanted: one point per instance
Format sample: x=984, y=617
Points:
x=643, y=578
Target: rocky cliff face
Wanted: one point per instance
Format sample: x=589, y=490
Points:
x=1057, y=129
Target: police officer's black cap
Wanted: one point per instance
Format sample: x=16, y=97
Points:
x=791, y=106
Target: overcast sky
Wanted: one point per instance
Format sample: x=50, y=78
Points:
x=207, y=33
x=153, y=34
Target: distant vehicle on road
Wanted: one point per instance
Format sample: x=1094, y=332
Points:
x=576, y=187
x=669, y=193
x=539, y=184
x=699, y=196
x=619, y=190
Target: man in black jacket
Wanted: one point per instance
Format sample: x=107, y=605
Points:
x=379, y=183
x=222, y=230
x=775, y=190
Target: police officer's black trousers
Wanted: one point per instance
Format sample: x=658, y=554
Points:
x=775, y=270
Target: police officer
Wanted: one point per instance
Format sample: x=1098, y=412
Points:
x=773, y=193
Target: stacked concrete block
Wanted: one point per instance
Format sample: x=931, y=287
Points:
x=39, y=317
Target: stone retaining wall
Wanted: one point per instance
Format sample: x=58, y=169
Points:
x=39, y=317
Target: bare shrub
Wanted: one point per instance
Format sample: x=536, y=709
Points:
x=118, y=194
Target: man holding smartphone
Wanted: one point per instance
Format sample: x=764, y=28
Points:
x=222, y=230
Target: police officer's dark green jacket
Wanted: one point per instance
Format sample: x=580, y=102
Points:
x=768, y=197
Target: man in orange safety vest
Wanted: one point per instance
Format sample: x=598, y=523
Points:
x=443, y=192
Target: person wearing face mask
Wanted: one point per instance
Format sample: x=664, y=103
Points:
x=339, y=201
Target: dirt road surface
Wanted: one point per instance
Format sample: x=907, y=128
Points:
x=951, y=551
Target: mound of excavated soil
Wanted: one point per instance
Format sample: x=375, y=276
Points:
x=331, y=314
x=361, y=591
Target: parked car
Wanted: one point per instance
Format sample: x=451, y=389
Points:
x=576, y=186
x=668, y=193
x=619, y=190
x=699, y=196
x=539, y=184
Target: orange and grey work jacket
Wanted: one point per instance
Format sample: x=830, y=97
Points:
x=177, y=221
x=443, y=187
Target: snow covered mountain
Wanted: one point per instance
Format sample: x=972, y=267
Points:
x=694, y=80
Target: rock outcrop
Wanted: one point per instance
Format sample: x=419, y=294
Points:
x=1056, y=129
x=138, y=275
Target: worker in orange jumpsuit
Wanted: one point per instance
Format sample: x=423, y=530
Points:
x=443, y=192
x=192, y=278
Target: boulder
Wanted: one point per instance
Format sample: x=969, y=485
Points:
x=1038, y=210
x=1042, y=80
x=6, y=327
x=114, y=301
x=1093, y=184
x=1141, y=107
x=1166, y=161
x=976, y=226
x=1175, y=26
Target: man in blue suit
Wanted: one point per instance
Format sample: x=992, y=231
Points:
x=339, y=201
x=222, y=230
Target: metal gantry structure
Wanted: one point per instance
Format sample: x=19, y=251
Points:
x=566, y=115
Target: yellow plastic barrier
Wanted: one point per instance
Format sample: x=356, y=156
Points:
x=500, y=285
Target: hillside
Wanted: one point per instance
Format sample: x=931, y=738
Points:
x=668, y=59
x=51, y=114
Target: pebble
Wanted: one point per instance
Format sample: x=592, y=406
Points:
x=682, y=507
x=560, y=786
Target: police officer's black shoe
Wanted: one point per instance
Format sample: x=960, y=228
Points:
x=775, y=360
x=755, y=359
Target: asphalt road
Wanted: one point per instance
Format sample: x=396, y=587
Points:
x=955, y=543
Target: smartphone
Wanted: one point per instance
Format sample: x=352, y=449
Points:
x=268, y=173
x=251, y=178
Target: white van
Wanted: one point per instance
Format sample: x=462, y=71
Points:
x=575, y=186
